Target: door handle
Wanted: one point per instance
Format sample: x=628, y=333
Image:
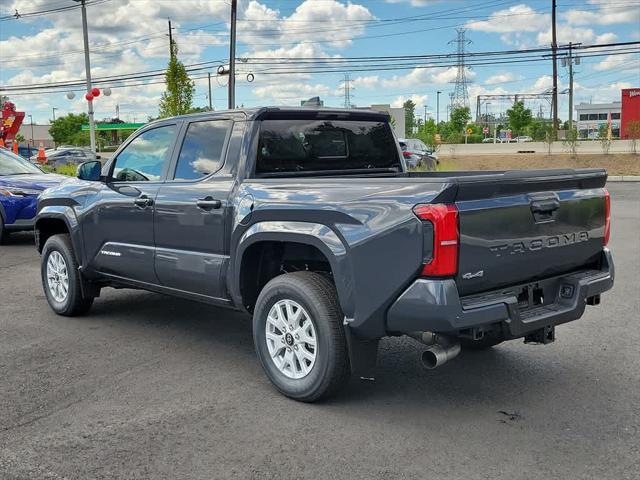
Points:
x=143, y=201
x=208, y=203
x=545, y=206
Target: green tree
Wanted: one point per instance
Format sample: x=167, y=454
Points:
x=571, y=141
x=633, y=134
x=20, y=138
x=427, y=134
x=178, y=97
x=519, y=117
x=536, y=130
x=605, y=140
x=459, y=118
x=409, y=117
x=68, y=129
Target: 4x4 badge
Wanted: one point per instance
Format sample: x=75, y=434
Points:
x=470, y=275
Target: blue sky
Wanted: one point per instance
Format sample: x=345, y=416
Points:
x=128, y=36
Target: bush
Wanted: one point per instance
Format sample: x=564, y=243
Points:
x=68, y=170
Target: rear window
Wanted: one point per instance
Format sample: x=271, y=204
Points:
x=288, y=146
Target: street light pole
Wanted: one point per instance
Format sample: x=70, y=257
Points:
x=210, y=99
x=554, y=49
x=437, y=109
x=87, y=66
x=232, y=56
x=32, y=140
x=54, y=113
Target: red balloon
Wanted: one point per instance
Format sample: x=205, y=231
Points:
x=95, y=92
x=89, y=97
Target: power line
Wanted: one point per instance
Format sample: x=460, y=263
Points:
x=18, y=15
x=319, y=66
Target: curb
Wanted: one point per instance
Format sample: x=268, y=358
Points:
x=623, y=178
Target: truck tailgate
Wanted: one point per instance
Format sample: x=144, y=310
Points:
x=525, y=226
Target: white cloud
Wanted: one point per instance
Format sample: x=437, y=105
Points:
x=519, y=18
x=567, y=33
x=418, y=77
x=618, y=62
x=291, y=93
x=328, y=21
x=501, y=78
x=621, y=11
x=415, y=3
x=420, y=101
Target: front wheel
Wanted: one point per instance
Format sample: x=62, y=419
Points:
x=61, y=278
x=3, y=231
x=299, y=337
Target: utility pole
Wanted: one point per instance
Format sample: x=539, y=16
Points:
x=170, y=40
x=54, y=113
x=437, y=109
x=232, y=56
x=87, y=67
x=425, y=116
x=570, y=61
x=554, y=48
x=210, y=99
x=32, y=140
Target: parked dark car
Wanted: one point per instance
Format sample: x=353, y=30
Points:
x=20, y=185
x=308, y=220
x=66, y=156
x=416, y=153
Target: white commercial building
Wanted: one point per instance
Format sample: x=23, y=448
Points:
x=397, y=115
x=592, y=116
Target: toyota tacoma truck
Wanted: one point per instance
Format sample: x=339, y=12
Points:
x=308, y=220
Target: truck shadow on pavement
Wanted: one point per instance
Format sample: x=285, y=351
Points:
x=506, y=373
x=20, y=238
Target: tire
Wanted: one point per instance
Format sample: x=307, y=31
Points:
x=486, y=342
x=4, y=235
x=58, y=252
x=317, y=297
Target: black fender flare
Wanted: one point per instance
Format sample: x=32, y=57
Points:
x=315, y=234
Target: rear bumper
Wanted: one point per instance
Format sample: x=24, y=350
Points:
x=434, y=305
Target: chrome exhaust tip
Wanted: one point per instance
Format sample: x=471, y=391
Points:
x=438, y=354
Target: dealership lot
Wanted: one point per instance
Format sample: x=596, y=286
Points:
x=149, y=386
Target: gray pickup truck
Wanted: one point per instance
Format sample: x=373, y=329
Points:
x=308, y=220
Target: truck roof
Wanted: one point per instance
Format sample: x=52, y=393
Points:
x=260, y=113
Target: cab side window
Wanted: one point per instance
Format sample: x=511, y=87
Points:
x=202, y=149
x=143, y=159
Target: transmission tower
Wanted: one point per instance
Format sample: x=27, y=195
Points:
x=346, y=85
x=461, y=93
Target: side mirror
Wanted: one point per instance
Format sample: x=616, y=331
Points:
x=89, y=171
x=98, y=157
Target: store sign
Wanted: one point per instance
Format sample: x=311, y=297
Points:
x=634, y=93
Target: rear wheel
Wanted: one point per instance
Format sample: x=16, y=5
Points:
x=61, y=278
x=299, y=337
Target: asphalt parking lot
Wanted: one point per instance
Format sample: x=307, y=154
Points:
x=148, y=386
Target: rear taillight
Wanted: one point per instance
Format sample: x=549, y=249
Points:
x=607, y=217
x=444, y=260
x=407, y=154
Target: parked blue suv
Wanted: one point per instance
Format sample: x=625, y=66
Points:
x=20, y=185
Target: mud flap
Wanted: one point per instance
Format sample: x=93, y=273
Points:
x=362, y=355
